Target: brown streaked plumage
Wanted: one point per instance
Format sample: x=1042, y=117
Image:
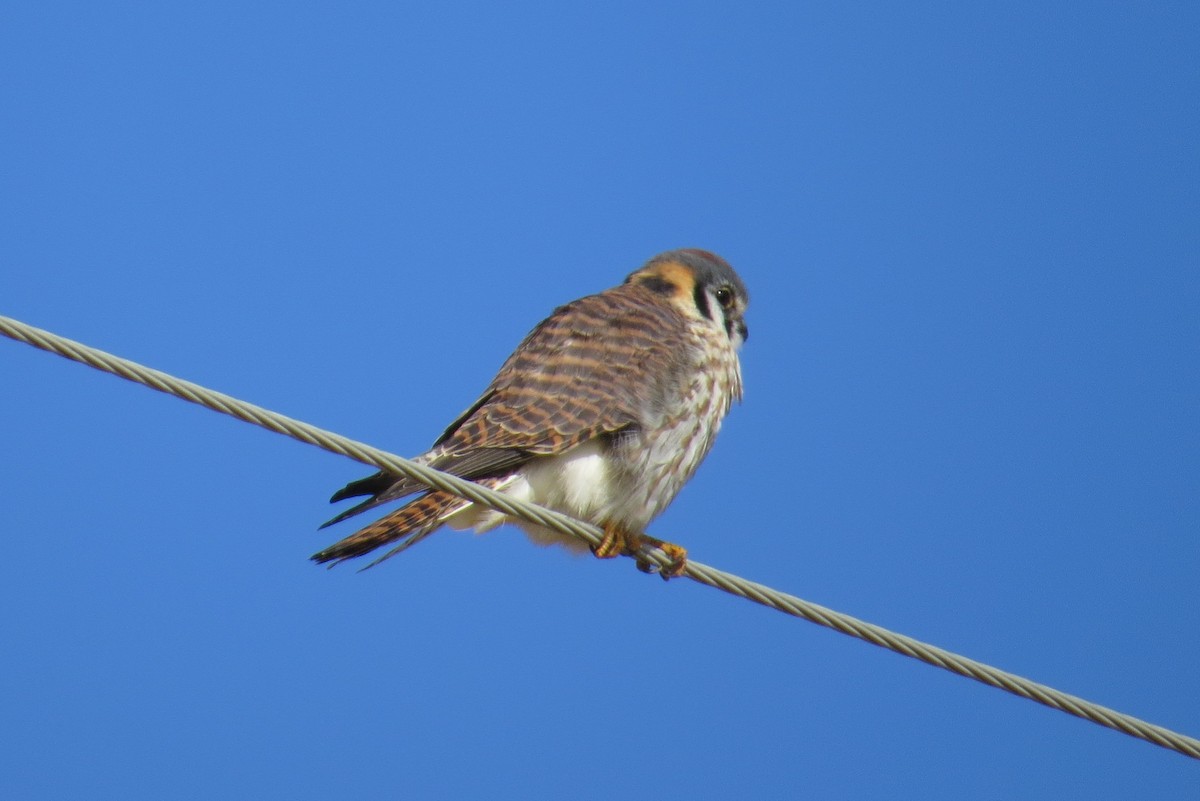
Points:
x=603, y=412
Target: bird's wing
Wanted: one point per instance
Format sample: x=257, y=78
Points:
x=599, y=365
x=603, y=364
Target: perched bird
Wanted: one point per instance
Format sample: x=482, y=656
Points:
x=603, y=412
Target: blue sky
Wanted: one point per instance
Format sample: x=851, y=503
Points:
x=971, y=238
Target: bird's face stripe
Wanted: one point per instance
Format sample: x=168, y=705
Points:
x=656, y=284
x=738, y=325
x=700, y=297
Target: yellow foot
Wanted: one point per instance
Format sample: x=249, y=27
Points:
x=618, y=541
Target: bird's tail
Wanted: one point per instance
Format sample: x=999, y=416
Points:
x=408, y=525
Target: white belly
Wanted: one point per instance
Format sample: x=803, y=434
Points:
x=576, y=483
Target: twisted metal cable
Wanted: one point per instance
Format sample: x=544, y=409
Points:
x=734, y=585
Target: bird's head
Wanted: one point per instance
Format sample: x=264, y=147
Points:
x=701, y=285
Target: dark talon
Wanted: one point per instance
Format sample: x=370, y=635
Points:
x=674, y=570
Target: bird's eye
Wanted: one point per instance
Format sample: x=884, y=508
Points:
x=724, y=296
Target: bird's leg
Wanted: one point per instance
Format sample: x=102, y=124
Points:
x=619, y=541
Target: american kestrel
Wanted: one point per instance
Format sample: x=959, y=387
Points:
x=603, y=412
